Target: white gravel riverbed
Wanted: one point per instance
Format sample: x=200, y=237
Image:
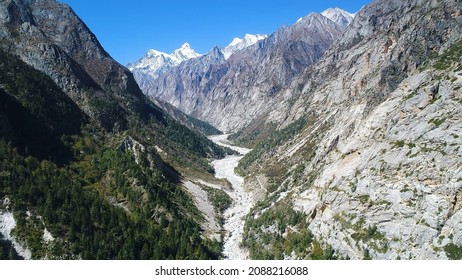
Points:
x=242, y=201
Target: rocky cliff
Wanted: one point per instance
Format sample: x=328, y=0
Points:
x=372, y=161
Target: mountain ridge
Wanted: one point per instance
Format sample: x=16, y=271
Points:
x=155, y=62
x=238, y=44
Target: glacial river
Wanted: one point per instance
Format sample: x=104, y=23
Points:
x=242, y=201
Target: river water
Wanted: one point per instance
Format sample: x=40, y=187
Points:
x=242, y=200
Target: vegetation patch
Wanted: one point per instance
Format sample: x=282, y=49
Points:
x=281, y=231
x=411, y=95
x=402, y=143
x=364, y=199
x=220, y=200
x=450, y=57
x=204, y=127
x=453, y=251
x=437, y=122
x=370, y=235
x=405, y=189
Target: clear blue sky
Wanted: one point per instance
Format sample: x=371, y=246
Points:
x=128, y=28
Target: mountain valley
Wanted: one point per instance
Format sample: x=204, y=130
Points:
x=337, y=137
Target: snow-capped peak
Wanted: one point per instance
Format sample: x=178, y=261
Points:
x=185, y=53
x=185, y=46
x=254, y=38
x=339, y=16
x=238, y=44
x=155, y=53
x=235, y=42
x=155, y=61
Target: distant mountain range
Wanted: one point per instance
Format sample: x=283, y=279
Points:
x=156, y=62
x=228, y=87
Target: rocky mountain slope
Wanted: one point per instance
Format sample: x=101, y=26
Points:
x=85, y=157
x=186, y=120
x=71, y=55
x=366, y=161
x=230, y=93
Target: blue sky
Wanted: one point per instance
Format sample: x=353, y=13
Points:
x=127, y=29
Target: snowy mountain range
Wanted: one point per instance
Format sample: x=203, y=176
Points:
x=157, y=62
x=265, y=67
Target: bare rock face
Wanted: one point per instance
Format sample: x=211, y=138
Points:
x=229, y=93
x=50, y=37
x=376, y=167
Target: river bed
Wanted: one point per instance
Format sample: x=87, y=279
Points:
x=242, y=200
